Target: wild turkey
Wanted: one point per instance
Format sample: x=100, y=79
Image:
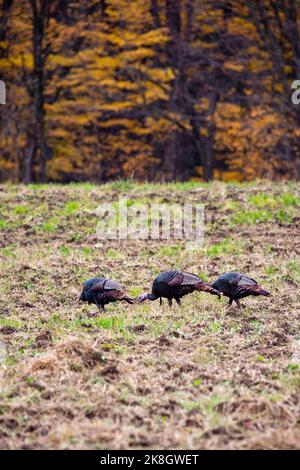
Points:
x=236, y=286
x=102, y=291
x=174, y=285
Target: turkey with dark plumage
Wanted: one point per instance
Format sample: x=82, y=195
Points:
x=176, y=284
x=236, y=286
x=101, y=291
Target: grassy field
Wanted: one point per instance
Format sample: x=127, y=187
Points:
x=146, y=376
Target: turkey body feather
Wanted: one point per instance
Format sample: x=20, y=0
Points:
x=236, y=285
x=176, y=284
x=101, y=291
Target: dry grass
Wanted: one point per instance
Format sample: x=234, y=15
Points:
x=144, y=376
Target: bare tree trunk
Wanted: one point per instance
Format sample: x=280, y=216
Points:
x=189, y=9
x=204, y=146
x=6, y=6
x=154, y=10
x=209, y=141
x=39, y=11
x=173, y=51
x=182, y=100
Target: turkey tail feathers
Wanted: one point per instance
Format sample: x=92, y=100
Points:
x=128, y=299
x=257, y=290
x=264, y=292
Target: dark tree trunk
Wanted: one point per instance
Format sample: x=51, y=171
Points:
x=189, y=9
x=154, y=10
x=39, y=14
x=173, y=50
x=103, y=6
x=6, y=6
x=182, y=101
x=173, y=17
x=210, y=139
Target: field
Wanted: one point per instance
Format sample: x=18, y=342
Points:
x=146, y=376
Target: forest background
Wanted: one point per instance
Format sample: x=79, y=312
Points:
x=155, y=90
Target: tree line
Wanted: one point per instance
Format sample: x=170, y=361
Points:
x=150, y=89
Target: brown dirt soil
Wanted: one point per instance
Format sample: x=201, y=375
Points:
x=145, y=376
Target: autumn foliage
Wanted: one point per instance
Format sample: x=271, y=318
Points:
x=149, y=89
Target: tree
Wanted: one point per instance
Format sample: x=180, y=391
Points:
x=277, y=28
x=151, y=89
